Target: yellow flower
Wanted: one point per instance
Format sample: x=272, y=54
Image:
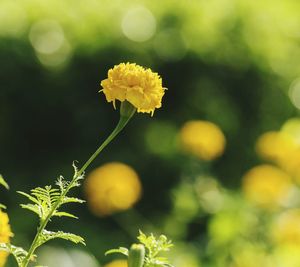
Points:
x=117, y=263
x=275, y=146
x=5, y=235
x=111, y=188
x=202, y=139
x=286, y=228
x=139, y=86
x=266, y=186
x=291, y=164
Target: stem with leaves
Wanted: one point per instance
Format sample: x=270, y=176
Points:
x=147, y=252
x=47, y=201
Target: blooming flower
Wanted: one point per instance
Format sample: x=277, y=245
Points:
x=117, y=263
x=139, y=86
x=5, y=234
x=112, y=187
x=266, y=185
x=202, y=139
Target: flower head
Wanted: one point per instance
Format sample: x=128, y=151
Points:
x=135, y=84
x=203, y=139
x=111, y=188
x=5, y=235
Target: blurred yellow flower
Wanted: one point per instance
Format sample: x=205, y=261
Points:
x=5, y=235
x=286, y=228
x=117, y=263
x=202, y=139
x=266, y=185
x=275, y=146
x=139, y=86
x=291, y=164
x=112, y=187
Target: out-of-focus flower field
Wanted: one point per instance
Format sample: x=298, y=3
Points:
x=216, y=169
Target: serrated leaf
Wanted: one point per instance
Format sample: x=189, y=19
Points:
x=62, y=183
x=72, y=200
x=31, y=198
x=49, y=235
x=65, y=214
x=2, y=182
x=121, y=250
x=34, y=208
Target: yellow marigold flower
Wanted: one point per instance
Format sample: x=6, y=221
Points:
x=117, y=263
x=275, y=146
x=202, y=139
x=139, y=86
x=266, y=186
x=286, y=228
x=5, y=235
x=111, y=188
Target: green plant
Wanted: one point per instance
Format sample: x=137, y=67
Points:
x=147, y=252
x=47, y=202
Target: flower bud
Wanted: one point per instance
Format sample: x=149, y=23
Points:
x=136, y=255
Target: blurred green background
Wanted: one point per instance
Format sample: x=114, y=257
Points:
x=233, y=63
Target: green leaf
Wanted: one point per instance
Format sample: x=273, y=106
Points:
x=65, y=214
x=31, y=198
x=121, y=250
x=2, y=182
x=43, y=200
x=2, y=206
x=72, y=200
x=49, y=235
x=34, y=208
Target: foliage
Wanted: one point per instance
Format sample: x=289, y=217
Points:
x=46, y=203
x=154, y=247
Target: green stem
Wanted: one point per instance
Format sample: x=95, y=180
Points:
x=122, y=123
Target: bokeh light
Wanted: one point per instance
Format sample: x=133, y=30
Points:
x=292, y=128
x=48, y=39
x=111, y=188
x=138, y=24
x=202, y=139
x=266, y=186
x=286, y=228
x=275, y=146
x=294, y=93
